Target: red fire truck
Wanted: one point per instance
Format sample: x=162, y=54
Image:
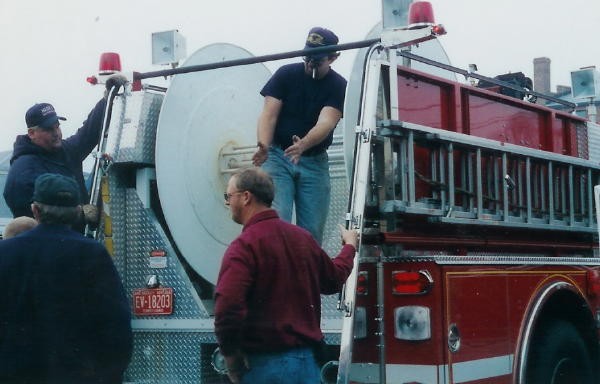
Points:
x=479, y=253
x=478, y=260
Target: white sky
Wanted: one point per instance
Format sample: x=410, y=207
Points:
x=48, y=49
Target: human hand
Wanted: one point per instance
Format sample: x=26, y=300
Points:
x=261, y=155
x=295, y=150
x=91, y=214
x=115, y=80
x=349, y=236
x=236, y=365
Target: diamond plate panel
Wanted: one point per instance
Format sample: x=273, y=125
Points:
x=167, y=357
x=337, y=213
x=582, y=141
x=133, y=136
x=136, y=232
x=594, y=142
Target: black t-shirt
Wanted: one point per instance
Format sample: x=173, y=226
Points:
x=303, y=99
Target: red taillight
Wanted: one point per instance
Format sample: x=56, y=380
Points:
x=110, y=62
x=92, y=80
x=411, y=283
x=362, y=283
x=593, y=283
x=420, y=14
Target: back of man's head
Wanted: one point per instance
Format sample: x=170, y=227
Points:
x=18, y=225
x=55, y=199
x=257, y=182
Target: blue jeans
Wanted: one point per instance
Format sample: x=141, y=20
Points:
x=296, y=366
x=305, y=185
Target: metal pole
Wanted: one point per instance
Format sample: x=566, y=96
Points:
x=257, y=59
x=468, y=74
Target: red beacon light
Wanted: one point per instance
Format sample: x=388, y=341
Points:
x=420, y=15
x=110, y=62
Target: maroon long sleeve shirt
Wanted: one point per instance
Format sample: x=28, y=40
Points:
x=268, y=295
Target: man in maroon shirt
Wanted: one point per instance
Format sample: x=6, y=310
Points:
x=268, y=295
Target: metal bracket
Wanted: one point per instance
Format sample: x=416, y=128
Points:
x=398, y=38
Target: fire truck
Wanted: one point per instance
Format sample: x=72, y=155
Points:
x=478, y=258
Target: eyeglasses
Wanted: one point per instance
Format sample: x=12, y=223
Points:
x=227, y=196
x=314, y=62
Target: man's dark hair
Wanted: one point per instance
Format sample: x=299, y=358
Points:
x=54, y=214
x=258, y=182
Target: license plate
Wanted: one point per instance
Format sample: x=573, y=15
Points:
x=156, y=301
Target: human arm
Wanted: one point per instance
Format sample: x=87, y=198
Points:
x=335, y=272
x=18, y=190
x=327, y=121
x=266, y=128
x=81, y=144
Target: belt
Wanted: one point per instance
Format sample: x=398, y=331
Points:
x=315, y=151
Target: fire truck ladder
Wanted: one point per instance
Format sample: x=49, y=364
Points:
x=462, y=179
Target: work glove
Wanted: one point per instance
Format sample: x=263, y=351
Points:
x=116, y=80
x=91, y=215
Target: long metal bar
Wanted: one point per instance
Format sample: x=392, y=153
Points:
x=443, y=195
x=551, y=192
x=257, y=59
x=357, y=203
x=393, y=84
x=101, y=147
x=571, y=196
x=411, y=169
x=504, y=187
x=590, y=199
x=451, y=197
x=381, y=320
x=472, y=198
x=408, y=239
x=497, y=179
x=528, y=199
x=468, y=74
x=403, y=168
x=479, y=181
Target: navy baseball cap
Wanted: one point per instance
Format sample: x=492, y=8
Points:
x=55, y=189
x=42, y=115
x=320, y=37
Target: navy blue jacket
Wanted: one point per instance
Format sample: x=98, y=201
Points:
x=29, y=161
x=64, y=316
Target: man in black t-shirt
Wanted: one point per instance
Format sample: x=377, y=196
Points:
x=303, y=104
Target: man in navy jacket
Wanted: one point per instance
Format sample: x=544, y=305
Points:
x=43, y=150
x=64, y=315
